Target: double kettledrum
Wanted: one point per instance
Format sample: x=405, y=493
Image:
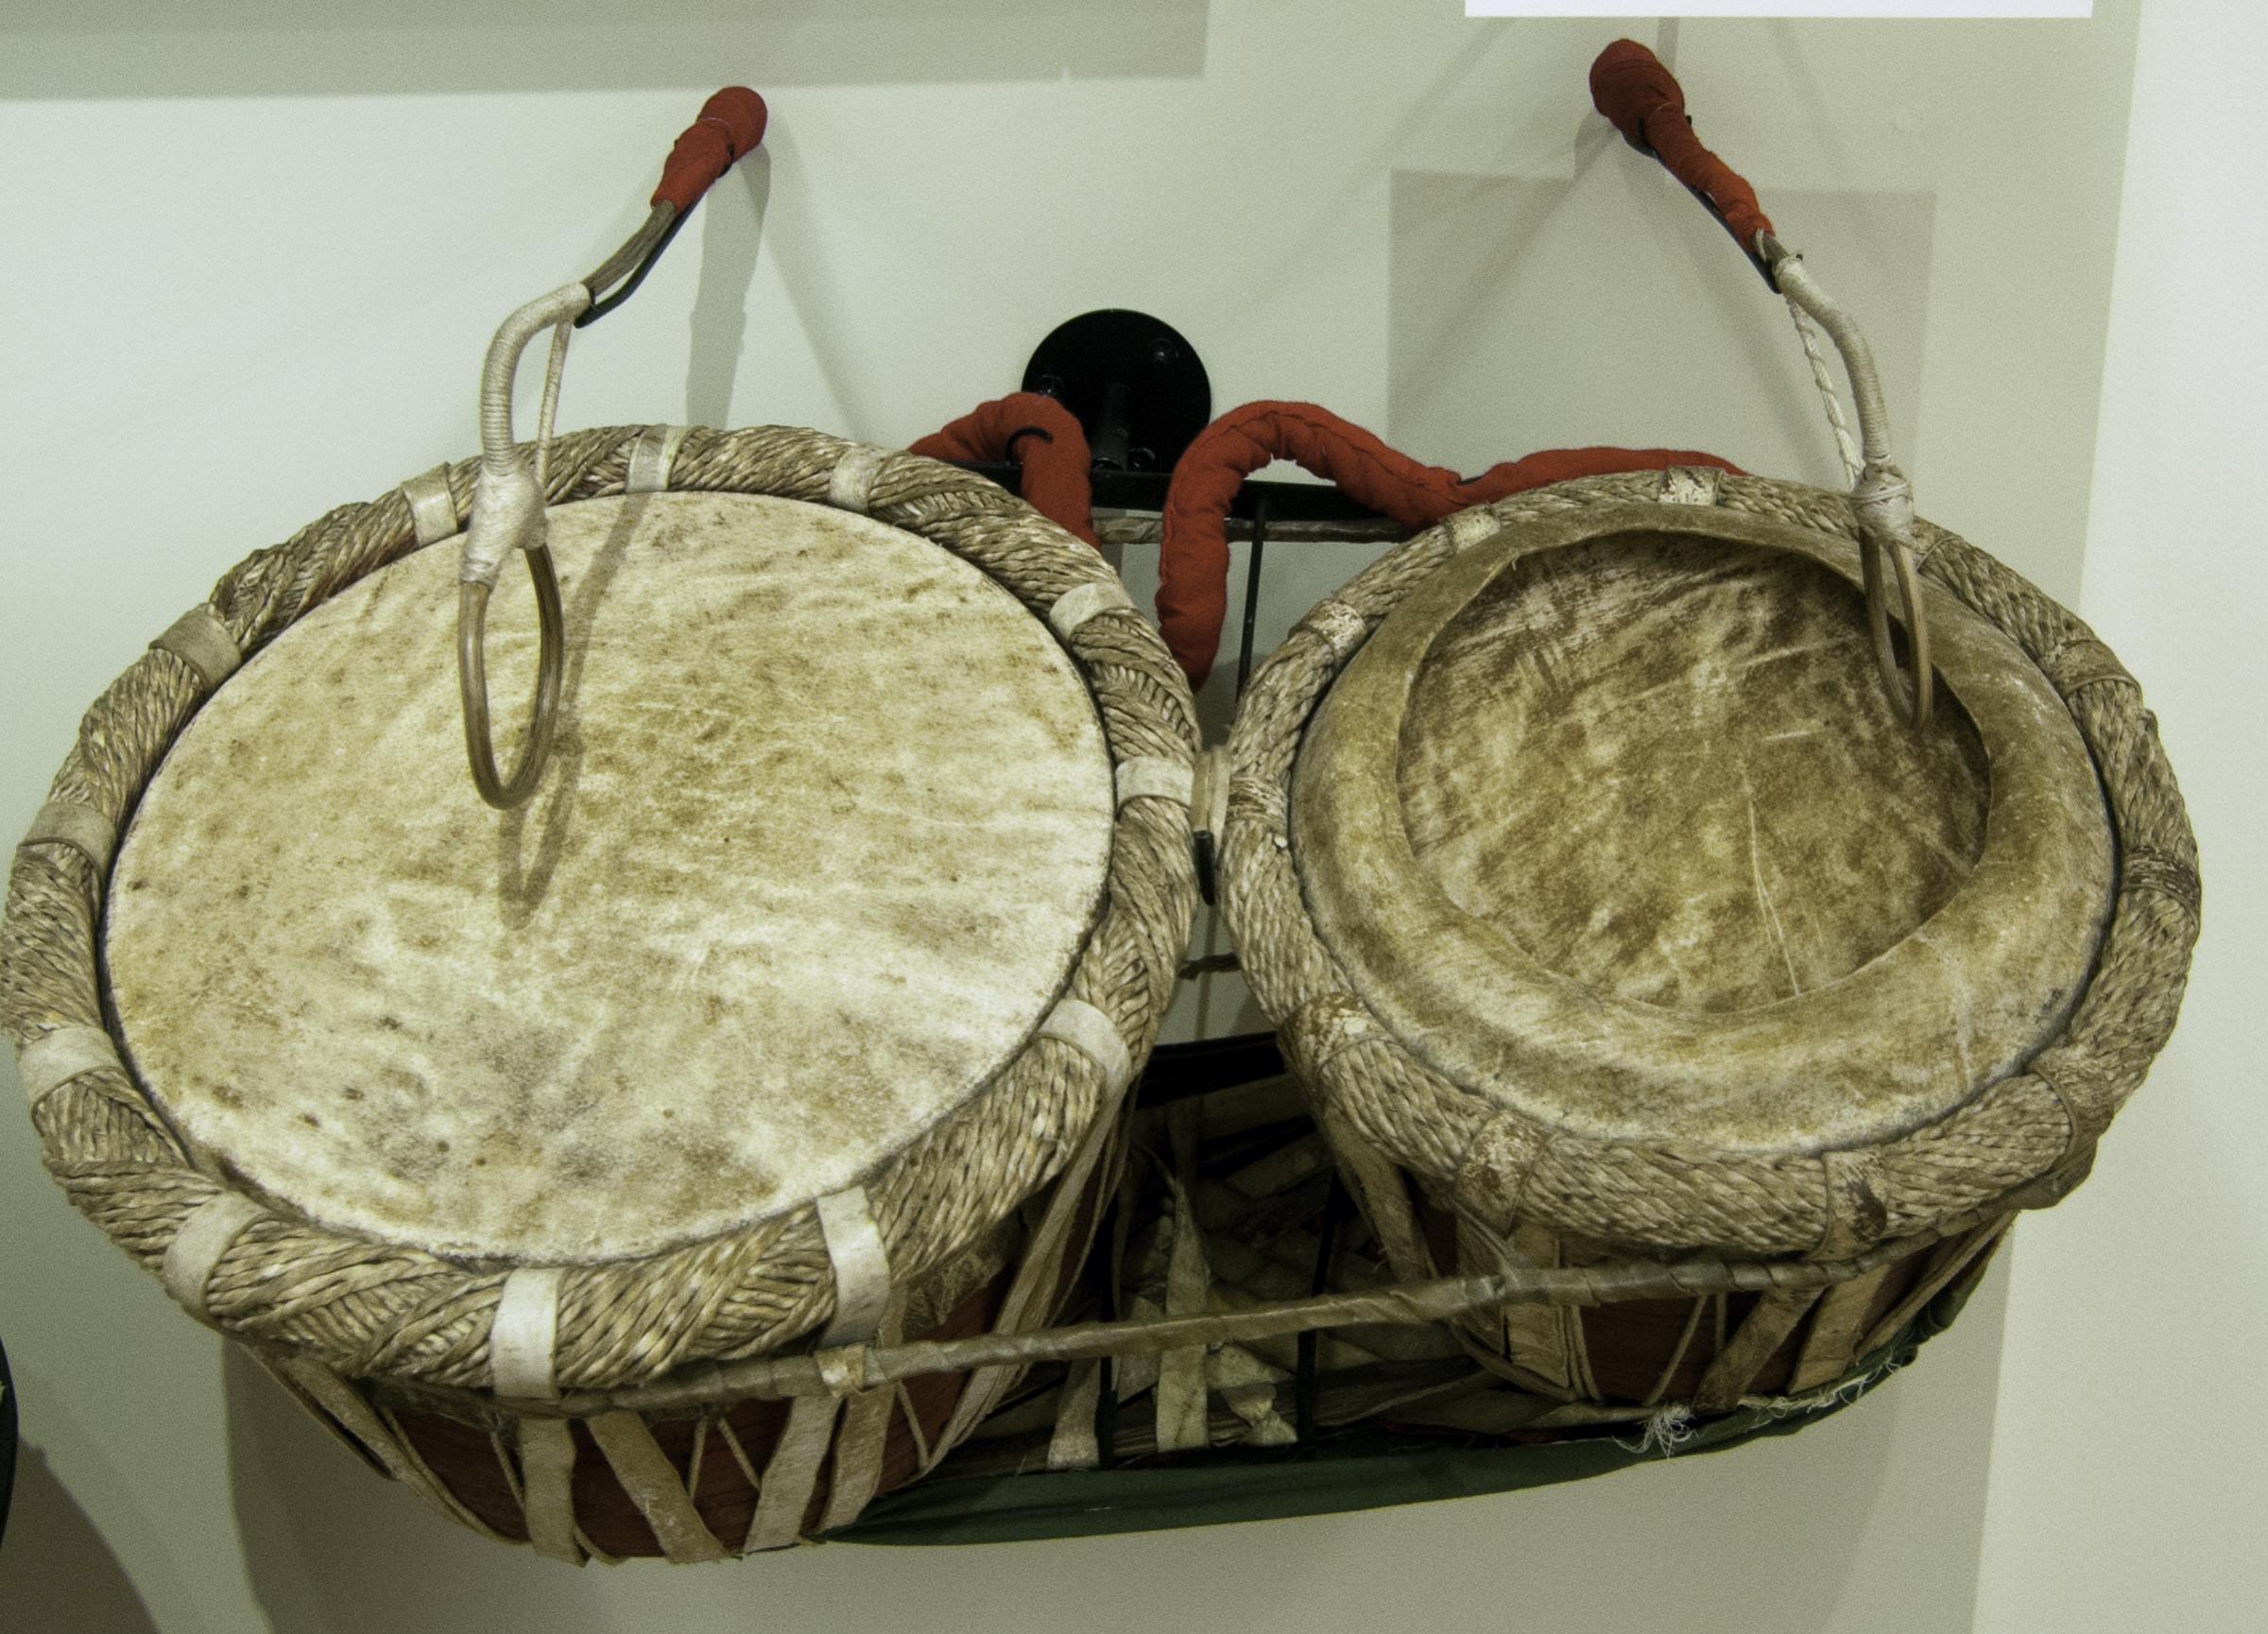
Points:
x=1698, y=912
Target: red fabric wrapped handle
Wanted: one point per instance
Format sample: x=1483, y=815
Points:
x=1042, y=436
x=731, y=125
x=1192, y=557
x=1630, y=85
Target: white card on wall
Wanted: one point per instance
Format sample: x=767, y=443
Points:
x=1784, y=9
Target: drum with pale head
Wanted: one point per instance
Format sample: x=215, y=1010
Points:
x=795, y=1009
x=1613, y=912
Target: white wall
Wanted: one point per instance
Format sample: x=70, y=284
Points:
x=252, y=264
x=2126, y=1488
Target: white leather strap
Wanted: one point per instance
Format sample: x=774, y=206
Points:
x=197, y=1247
x=1147, y=778
x=858, y=1453
x=1092, y=1034
x=1340, y=625
x=651, y=456
x=1031, y=1297
x=68, y=822
x=548, y=1487
x=1209, y=798
x=200, y=639
x=861, y=1269
x=507, y=495
x=1469, y=528
x=523, y=1333
x=793, y=1475
x=53, y=1060
x=852, y=486
x=355, y=1416
x=432, y=507
x=649, y=1478
x=1691, y=485
x=1073, y=1445
x=1073, y=607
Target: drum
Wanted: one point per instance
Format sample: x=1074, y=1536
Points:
x=795, y=1013
x=1613, y=913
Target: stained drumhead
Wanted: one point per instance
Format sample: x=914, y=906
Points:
x=1611, y=821
x=829, y=822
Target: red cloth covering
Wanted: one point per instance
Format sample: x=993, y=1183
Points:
x=1630, y=86
x=731, y=125
x=1042, y=436
x=1193, y=559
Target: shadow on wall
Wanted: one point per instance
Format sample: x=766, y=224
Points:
x=732, y=236
x=107, y=48
x=332, y=1548
x=56, y=1571
x=1534, y=313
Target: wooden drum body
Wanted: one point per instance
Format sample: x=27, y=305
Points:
x=795, y=1011
x=1611, y=915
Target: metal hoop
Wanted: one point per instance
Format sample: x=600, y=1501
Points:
x=508, y=515
x=1911, y=699
x=473, y=678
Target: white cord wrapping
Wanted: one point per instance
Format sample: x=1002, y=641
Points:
x=1845, y=447
x=555, y=368
x=1878, y=490
x=508, y=499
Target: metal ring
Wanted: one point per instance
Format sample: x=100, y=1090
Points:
x=473, y=683
x=1913, y=702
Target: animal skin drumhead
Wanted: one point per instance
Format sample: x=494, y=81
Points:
x=827, y=826
x=1611, y=821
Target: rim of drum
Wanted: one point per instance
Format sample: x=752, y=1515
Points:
x=385, y=1310
x=2022, y=1141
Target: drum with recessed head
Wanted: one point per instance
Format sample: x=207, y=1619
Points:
x=795, y=1011
x=1613, y=912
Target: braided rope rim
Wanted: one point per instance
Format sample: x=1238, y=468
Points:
x=378, y=1310
x=2031, y=1134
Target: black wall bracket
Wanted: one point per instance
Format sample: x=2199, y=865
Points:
x=1137, y=388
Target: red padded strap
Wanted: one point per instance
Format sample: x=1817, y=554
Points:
x=731, y=125
x=1044, y=437
x=1630, y=85
x=1193, y=558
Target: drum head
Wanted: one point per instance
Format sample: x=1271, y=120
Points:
x=828, y=825
x=1611, y=821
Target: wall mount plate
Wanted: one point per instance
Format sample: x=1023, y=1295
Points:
x=1136, y=387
